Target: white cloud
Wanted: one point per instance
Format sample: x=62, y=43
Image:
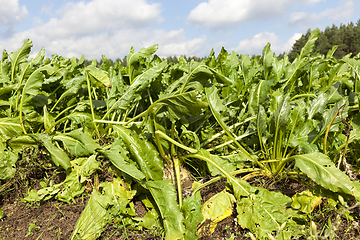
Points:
x=114, y=45
x=102, y=15
x=108, y=27
x=11, y=12
x=222, y=13
x=256, y=44
x=175, y=43
x=335, y=15
x=311, y=1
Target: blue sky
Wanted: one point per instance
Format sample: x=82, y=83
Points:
x=188, y=27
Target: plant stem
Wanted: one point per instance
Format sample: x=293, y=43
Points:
x=215, y=179
x=229, y=176
x=328, y=129
x=177, y=164
x=228, y=142
x=91, y=105
x=163, y=135
x=303, y=95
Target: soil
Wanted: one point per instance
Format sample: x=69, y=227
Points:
x=56, y=220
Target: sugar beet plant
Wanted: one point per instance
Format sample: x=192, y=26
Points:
x=229, y=116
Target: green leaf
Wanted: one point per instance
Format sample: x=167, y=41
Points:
x=282, y=113
x=99, y=76
x=149, y=221
x=18, y=143
x=118, y=156
x=133, y=58
x=72, y=86
x=142, y=152
x=34, y=83
x=164, y=194
x=5, y=67
x=191, y=209
x=9, y=127
x=8, y=160
x=48, y=119
x=227, y=164
x=292, y=74
x=331, y=52
x=74, y=184
x=32, y=87
x=317, y=106
x=355, y=66
x=58, y=156
x=322, y=170
x=268, y=59
x=102, y=205
x=216, y=107
x=264, y=212
x=78, y=143
x=183, y=104
x=248, y=71
x=279, y=67
x=19, y=56
x=79, y=118
x=335, y=94
x=143, y=53
x=258, y=95
x=132, y=94
x=307, y=49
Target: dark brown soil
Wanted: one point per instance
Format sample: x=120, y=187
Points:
x=56, y=220
x=51, y=220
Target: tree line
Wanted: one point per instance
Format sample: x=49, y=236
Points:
x=170, y=59
x=346, y=37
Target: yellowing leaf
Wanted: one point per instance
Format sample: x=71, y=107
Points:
x=305, y=201
x=216, y=209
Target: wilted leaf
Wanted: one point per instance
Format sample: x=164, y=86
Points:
x=264, y=212
x=214, y=210
x=191, y=209
x=142, y=152
x=305, y=201
x=102, y=205
x=78, y=143
x=8, y=160
x=58, y=156
x=119, y=157
x=10, y=127
x=164, y=194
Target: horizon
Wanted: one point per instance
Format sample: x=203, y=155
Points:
x=191, y=28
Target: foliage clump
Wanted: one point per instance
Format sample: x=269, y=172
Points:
x=229, y=116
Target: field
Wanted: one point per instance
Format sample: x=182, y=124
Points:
x=232, y=147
